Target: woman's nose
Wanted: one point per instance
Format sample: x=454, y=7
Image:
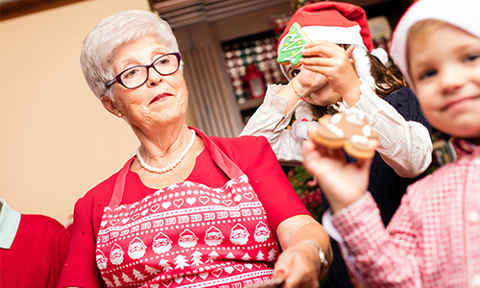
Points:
x=154, y=78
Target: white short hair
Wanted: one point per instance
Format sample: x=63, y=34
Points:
x=102, y=43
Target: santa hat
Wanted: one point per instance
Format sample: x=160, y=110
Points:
x=99, y=253
x=161, y=236
x=137, y=241
x=340, y=23
x=461, y=13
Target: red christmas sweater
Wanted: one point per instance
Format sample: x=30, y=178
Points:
x=253, y=155
x=37, y=254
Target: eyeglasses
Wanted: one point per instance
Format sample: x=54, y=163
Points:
x=136, y=76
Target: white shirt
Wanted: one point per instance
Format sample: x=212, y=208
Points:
x=406, y=146
x=9, y=221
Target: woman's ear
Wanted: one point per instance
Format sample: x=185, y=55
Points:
x=108, y=104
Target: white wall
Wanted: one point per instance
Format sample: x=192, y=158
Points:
x=56, y=139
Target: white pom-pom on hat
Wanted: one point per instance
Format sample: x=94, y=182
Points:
x=381, y=54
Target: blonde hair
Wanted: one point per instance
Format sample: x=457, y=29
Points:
x=419, y=32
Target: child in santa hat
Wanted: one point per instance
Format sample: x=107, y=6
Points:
x=338, y=71
x=434, y=238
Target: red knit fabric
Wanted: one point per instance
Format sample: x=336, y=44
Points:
x=37, y=254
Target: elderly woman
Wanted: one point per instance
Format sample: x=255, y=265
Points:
x=188, y=210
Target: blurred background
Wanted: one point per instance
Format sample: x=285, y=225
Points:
x=56, y=139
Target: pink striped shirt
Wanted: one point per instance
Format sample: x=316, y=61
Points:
x=433, y=240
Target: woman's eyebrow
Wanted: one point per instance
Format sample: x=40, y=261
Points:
x=159, y=51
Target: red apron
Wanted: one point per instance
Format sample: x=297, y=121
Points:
x=187, y=234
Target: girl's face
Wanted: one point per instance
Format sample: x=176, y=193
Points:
x=446, y=77
x=323, y=94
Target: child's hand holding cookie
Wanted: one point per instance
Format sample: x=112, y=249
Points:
x=343, y=183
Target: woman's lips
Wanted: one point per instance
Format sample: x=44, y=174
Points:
x=159, y=97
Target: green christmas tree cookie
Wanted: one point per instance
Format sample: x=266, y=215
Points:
x=294, y=42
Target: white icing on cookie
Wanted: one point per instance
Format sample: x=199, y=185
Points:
x=367, y=130
x=359, y=139
x=291, y=39
x=353, y=118
x=336, y=118
x=335, y=130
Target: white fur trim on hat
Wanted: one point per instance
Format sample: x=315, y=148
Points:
x=339, y=35
x=362, y=64
x=460, y=13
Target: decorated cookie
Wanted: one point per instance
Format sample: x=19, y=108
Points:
x=294, y=42
x=348, y=130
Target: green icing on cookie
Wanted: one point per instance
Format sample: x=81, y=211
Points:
x=293, y=44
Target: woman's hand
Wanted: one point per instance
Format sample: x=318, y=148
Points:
x=299, y=264
x=334, y=63
x=342, y=183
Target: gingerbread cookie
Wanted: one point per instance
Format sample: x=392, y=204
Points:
x=294, y=42
x=348, y=130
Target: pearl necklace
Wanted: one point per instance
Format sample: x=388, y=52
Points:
x=163, y=170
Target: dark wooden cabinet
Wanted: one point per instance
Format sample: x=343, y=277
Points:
x=15, y=8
